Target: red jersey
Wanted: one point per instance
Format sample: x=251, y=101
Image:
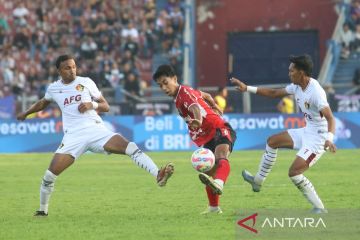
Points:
x=186, y=97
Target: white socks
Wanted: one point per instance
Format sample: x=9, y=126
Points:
x=141, y=159
x=305, y=186
x=267, y=161
x=46, y=188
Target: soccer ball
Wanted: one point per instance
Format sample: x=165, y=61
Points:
x=203, y=159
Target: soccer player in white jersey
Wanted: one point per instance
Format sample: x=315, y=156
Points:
x=312, y=140
x=79, y=100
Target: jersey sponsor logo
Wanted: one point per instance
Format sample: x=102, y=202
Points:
x=72, y=99
x=79, y=87
x=307, y=105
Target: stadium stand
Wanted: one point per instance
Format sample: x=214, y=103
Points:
x=114, y=42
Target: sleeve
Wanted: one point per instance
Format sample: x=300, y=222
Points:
x=290, y=89
x=320, y=100
x=190, y=97
x=93, y=89
x=48, y=96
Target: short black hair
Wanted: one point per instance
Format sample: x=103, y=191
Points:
x=63, y=58
x=303, y=62
x=164, y=70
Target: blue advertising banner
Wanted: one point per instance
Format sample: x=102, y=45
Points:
x=169, y=132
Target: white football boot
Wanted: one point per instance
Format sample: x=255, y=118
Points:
x=216, y=186
x=248, y=177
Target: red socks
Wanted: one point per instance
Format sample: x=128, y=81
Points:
x=222, y=172
x=213, y=198
x=223, y=169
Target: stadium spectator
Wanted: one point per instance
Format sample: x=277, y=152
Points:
x=356, y=80
x=131, y=32
x=356, y=42
x=20, y=14
x=88, y=48
x=312, y=140
x=132, y=84
x=286, y=105
x=221, y=98
x=346, y=38
x=211, y=131
x=83, y=132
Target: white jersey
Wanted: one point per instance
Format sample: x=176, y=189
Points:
x=69, y=96
x=311, y=101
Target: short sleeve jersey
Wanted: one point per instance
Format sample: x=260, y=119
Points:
x=311, y=101
x=69, y=96
x=186, y=97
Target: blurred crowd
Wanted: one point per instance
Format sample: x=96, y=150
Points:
x=350, y=34
x=113, y=41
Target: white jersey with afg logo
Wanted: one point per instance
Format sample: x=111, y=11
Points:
x=69, y=96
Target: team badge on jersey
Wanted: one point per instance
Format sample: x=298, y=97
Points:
x=79, y=87
x=307, y=105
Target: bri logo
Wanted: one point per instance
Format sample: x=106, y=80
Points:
x=72, y=99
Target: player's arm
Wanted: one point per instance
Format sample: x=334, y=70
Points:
x=197, y=120
x=36, y=107
x=209, y=99
x=266, y=92
x=100, y=105
x=327, y=113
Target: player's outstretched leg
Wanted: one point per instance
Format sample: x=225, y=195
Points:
x=141, y=159
x=145, y=162
x=46, y=188
x=120, y=145
x=308, y=190
x=267, y=162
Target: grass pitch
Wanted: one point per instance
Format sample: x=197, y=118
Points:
x=108, y=197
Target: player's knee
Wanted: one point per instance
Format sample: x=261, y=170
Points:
x=293, y=172
x=272, y=142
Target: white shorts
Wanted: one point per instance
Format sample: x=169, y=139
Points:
x=310, y=142
x=90, y=139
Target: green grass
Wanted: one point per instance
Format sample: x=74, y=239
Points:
x=108, y=197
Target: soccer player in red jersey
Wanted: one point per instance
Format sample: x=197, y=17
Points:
x=206, y=128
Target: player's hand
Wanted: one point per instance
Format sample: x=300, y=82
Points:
x=330, y=146
x=194, y=123
x=21, y=116
x=242, y=87
x=83, y=107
